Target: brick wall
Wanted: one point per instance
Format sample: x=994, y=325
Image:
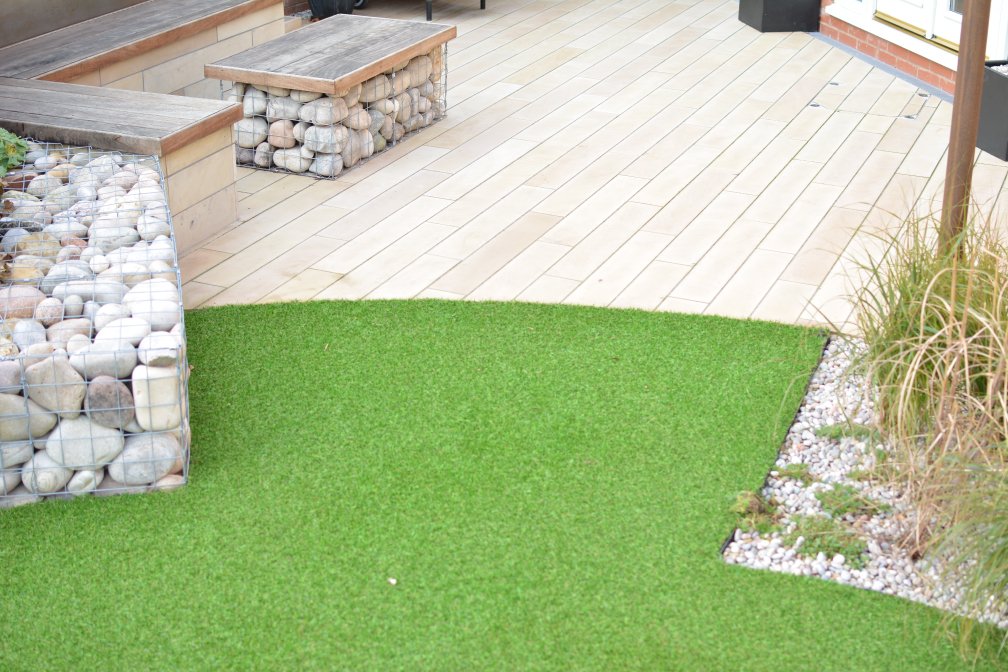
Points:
x=892, y=55
x=294, y=6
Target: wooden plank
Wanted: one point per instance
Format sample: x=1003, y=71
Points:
x=84, y=47
x=148, y=123
x=332, y=55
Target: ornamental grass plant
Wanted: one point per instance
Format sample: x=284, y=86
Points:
x=935, y=326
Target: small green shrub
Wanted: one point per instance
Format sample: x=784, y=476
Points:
x=829, y=537
x=12, y=151
x=843, y=500
x=848, y=430
x=756, y=513
x=798, y=472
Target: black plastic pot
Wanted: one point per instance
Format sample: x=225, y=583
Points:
x=992, y=135
x=323, y=9
x=776, y=16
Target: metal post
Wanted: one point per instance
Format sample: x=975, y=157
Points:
x=965, y=119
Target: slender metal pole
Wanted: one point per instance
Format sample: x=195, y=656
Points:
x=965, y=119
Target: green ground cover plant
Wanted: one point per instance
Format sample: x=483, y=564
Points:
x=546, y=484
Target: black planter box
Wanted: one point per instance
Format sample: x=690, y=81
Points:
x=777, y=16
x=992, y=135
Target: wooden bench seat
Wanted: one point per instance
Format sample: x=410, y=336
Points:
x=191, y=136
x=157, y=45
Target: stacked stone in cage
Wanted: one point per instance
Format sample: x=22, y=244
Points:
x=93, y=368
x=303, y=131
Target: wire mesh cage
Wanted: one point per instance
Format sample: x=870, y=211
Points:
x=324, y=135
x=93, y=370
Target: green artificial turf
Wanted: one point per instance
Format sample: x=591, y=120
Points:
x=549, y=486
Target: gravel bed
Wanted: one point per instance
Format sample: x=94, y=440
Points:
x=834, y=398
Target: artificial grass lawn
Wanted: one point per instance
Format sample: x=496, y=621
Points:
x=548, y=485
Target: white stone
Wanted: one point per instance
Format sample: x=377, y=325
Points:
x=357, y=119
x=59, y=333
x=295, y=159
x=327, y=165
x=56, y=386
x=375, y=88
x=145, y=459
x=360, y=146
x=82, y=444
x=251, y=131
x=156, y=396
x=109, y=313
x=105, y=358
x=129, y=329
x=282, y=108
x=85, y=481
x=159, y=348
x=42, y=475
x=326, y=139
x=304, y=96
x=101, y=291
x=14, y=453
x=254, y=102
x=150, y=228
x=324, y=111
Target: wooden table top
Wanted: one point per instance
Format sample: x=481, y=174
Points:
x=114, y=119
x=333, y=54
x=64, y=54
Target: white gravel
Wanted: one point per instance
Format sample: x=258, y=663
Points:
x=834, y=397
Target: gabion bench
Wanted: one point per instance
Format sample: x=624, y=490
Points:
x=93, y=372
x=327, y=96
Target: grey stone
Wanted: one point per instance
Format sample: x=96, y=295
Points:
x=263, y=155
x=109, y=402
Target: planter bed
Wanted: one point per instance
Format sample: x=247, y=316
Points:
x=93, y=373
x=323, y=98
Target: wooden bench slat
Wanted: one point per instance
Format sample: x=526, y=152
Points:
x=69, y=52
x=333, y=54
x=148, y=123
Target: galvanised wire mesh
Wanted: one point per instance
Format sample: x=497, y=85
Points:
x=321, y=135
x=93, y=371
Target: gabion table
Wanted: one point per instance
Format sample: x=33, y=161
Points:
x=327, y=96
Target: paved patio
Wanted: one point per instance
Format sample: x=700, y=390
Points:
x=652, y=154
